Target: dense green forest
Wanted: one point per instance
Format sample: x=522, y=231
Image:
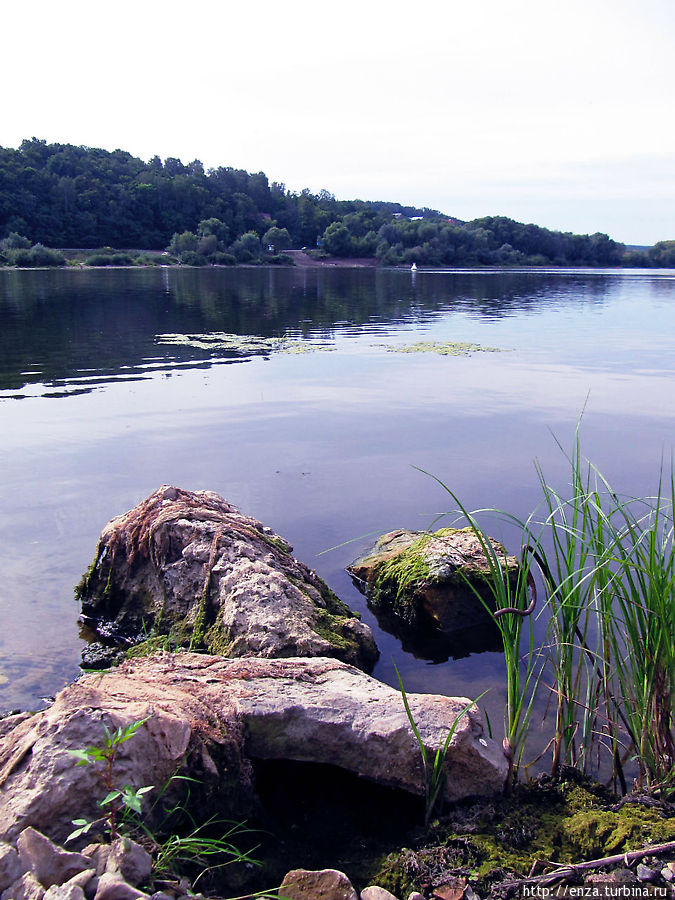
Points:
x=61, y=195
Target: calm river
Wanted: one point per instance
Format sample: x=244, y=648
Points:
x=323, y=445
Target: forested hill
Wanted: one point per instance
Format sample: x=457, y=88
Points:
x=62, y=195
x=68, y=196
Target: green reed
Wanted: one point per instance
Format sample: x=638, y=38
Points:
x=513, y=598
x=642, y=630
x=433, y=768
x=607, y=565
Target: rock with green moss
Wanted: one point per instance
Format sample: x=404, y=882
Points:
x=187, y=569
x=431, y=580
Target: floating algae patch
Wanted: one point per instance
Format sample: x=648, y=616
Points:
x=442, y=348
x=244, y=344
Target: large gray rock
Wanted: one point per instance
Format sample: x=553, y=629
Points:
x=190, y=565
x=438, y=580
x=209, y=716
x=66, y=891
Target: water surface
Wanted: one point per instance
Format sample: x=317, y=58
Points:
x=324, y=446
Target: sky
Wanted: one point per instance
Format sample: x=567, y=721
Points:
x=558, y=113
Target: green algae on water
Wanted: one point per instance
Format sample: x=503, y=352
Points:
x=244, y=344
x=441, y=348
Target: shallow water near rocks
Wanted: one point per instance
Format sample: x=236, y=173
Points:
x=325, y=447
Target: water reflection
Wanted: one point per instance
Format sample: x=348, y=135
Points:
x=321, y=446
x=60, y=324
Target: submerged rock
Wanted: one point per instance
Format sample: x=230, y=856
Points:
x=431, y=581
x=209, y=717
x=187, y=569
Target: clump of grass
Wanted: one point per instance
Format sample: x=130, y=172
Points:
x=434, y=769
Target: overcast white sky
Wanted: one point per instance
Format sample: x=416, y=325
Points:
x=559, y=113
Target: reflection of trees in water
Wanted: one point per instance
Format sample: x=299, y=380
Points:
x=62, y=323
x=308, y=300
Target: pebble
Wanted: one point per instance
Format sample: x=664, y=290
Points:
x=644, y=873
x=668, y=872
x=376, y=893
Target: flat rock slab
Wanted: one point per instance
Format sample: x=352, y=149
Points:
x=210, y=716
x=188, y=569
x=431, y=580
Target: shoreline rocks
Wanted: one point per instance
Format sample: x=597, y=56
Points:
x=187, y=569
x=209, y=717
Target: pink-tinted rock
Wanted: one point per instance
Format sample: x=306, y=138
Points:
x=11, y=867
x=132, y=862
x=324, y=884
x=25, y=888
x=111, y=886
x=376, y=893
x=209, y=716
x=50, y=864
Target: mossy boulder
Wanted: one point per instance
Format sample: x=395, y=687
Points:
x=187, y=569
x=438, y=580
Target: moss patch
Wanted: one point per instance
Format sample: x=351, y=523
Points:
x=565, y=821
x=329, y=627
x=398, y=579
x=217, y=640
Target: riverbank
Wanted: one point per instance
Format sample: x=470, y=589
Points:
x=305, y=760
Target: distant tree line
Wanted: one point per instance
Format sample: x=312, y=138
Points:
x=61, y=195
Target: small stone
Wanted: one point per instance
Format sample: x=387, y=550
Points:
x=111, y=886
x=644, y=873
x=470, y=894
x=26, y=888
x=130, y=860
x=50, y=864
x=66, y=891
x=324, y=884
x=10, y=865
x=86, y=880
x=416, y=896
x=451, y=890
x=376, y=893
x=617, y=876
x=98, y=854
x=668, y=872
